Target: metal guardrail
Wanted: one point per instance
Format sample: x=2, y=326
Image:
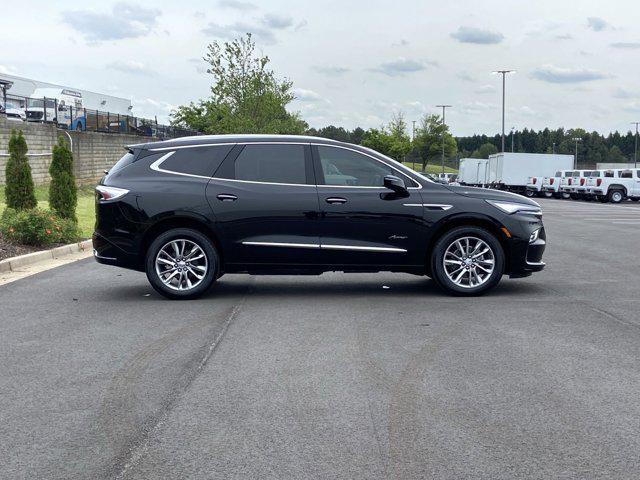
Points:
x=78, y=118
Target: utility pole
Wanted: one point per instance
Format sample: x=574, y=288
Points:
x=575, y=160
x=504, y=75
x=444, y=107
x=512, y=138
x=413, y=135
x=553, y=148
x=635, y=151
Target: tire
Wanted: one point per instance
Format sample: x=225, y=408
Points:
x=445, y=248
x=573, y=196
x=529, y=193
x=615, y=196
x=548, y=194
x=176, y=285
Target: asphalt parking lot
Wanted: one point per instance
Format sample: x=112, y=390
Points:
x=336, y=376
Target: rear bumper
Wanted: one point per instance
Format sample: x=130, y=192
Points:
x=108, y=253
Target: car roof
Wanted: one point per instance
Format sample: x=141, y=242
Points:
x=213, y=139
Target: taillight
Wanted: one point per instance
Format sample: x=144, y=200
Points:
x=104, y=193
x=581, y=182
x=551, y=181
x=599, y=182
x=569, y=180
x=535, y=179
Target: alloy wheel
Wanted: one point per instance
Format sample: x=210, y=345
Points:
x=181, y=264
x=469, y=262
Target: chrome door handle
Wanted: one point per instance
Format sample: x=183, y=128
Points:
x=226, y=197
x=336, y=200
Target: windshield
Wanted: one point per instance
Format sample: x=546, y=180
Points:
x=39, y=103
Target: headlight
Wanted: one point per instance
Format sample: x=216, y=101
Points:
x=534, y=236
x=513, y=207
x=105, y=193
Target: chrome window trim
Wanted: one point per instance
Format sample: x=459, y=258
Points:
x=404, y=174
x=327, y=246
x=433, y=206
x=171, y=150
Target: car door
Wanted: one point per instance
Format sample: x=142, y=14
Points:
x=362, y=222
x=265, y=203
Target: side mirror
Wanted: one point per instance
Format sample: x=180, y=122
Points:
x=395, y=183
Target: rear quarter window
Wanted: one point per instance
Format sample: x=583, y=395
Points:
x=127, y=159
x=201, y=161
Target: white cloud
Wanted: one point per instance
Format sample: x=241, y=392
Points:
x=597, y=24
x=126, y=20
x=553, y=74
x=477, y=35
x=400, y=66
x=236, y=5
x=130, y=66
x=626, y=45
x=483, y=89
x=304, y=95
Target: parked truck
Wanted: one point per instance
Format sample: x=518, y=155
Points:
x=512, y=171
x=473, y=171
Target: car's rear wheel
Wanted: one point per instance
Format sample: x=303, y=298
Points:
x=548, y=194
x=467, y=261
x=529, y=193
x=181, y=263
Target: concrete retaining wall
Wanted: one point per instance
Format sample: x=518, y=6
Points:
x=93, y=152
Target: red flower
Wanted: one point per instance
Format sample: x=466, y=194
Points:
x=48, y=231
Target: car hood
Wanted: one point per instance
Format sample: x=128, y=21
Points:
x=488, y=194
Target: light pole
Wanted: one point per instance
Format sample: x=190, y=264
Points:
x=512, y=138
x=635, y=151
x=553, y=148
x=575, y=160
x=504, y=75
x=444, y=107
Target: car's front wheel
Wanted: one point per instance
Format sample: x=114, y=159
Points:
x=467, y=261
x=181, y=263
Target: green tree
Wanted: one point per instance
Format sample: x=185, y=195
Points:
x=63, y=193
x=379, y=140
x=485, y=150
x=19, y=191
x=246, y=96
x=428, y=140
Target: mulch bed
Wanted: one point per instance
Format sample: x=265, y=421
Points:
x=8, y=250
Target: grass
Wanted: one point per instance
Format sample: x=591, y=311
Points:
x=85, y=210
x=432, y=169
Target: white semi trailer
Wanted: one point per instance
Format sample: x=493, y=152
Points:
x=511, y=171
x=473, y=171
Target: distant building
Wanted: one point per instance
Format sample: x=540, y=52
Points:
x=24, y=87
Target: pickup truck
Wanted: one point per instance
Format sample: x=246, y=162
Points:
x=534, y=187
x=575, y=184
x=614, y=185
x=551, y=185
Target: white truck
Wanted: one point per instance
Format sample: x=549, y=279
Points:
x=574, y=185
x=552, y=186
x=511, y=171
x=57, y=105
x=473, y=171
x=614, y=185
x=534, y=187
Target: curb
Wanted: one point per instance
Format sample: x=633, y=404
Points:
x=14, y=263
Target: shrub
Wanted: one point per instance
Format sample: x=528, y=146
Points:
x=63, y=193
x=37, y=227
x=19, y=189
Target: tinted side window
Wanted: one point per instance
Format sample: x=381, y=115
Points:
x=201, y=161
x=626, y=174
x=127, y=159
x=346, y=167
x=272, y=164
x=608, y=173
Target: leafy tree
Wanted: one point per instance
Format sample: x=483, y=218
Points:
x=400, y=140
x=63, y=193
x=19, y=190
x=428, y=140
x=379, y=140
x=246, y=96
x=485, y=150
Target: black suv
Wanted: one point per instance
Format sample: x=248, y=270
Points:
x=187, y=211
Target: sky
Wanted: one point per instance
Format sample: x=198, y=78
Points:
x=353, y=63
